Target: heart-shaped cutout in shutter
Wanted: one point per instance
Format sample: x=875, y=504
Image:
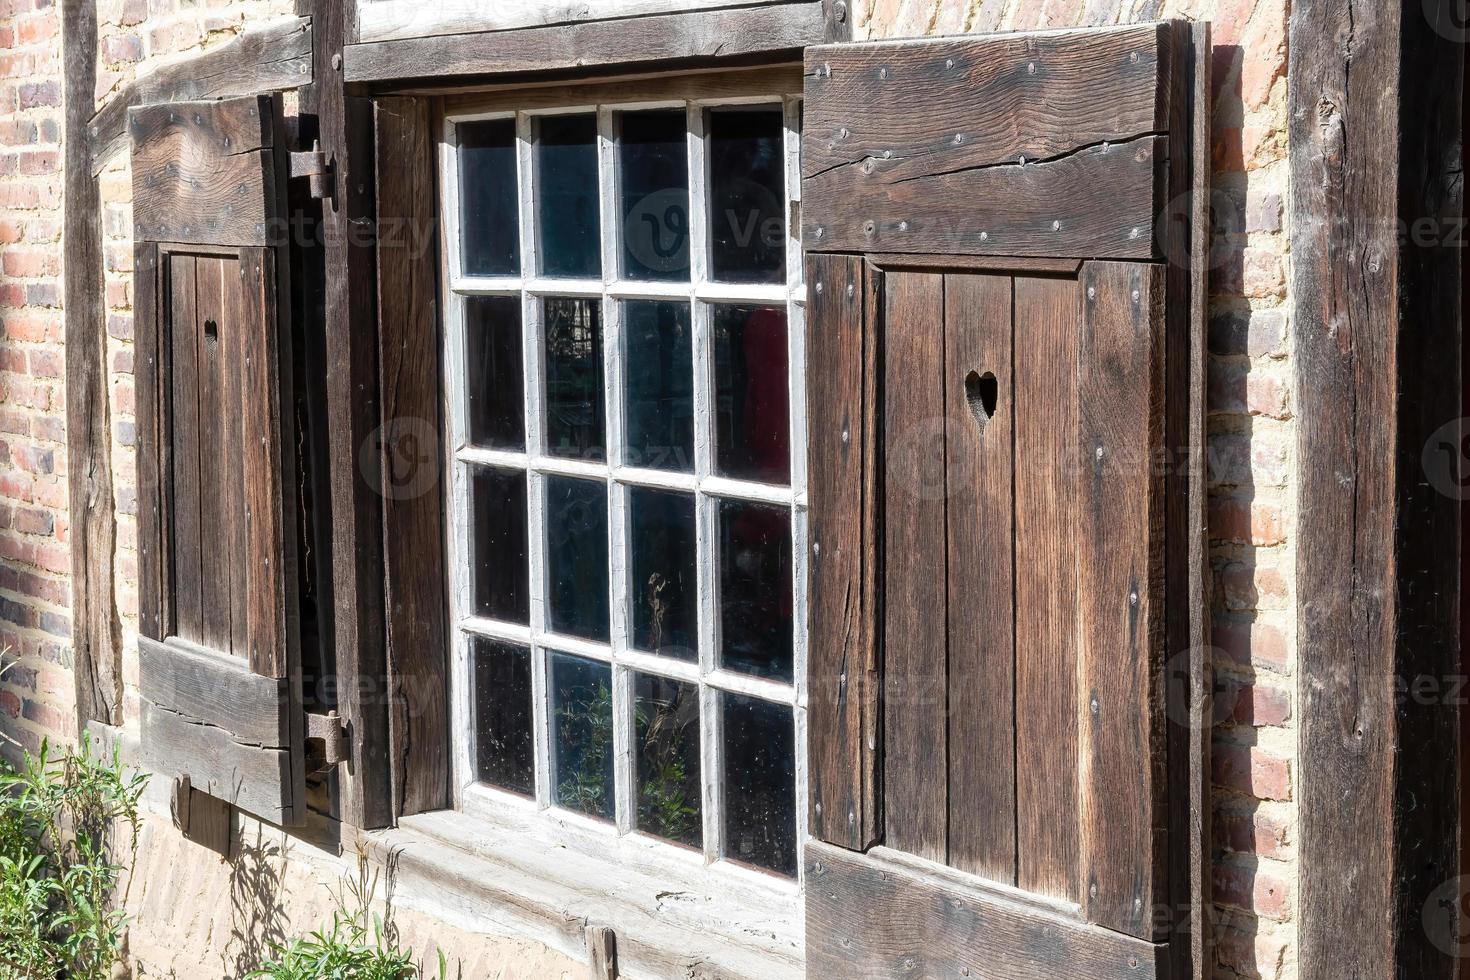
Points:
x=982, y=392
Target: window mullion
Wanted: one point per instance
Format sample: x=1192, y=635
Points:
x=535, y=374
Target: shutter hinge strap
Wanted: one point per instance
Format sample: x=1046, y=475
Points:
x=312, y=164
x=330, y=734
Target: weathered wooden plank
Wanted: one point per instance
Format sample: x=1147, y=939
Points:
x=1189, y=673
x=96, y=632
x=673, y=37
x=148, y=377
x=1029, y=144
x=215, y=533
x=208, y=688
x=1036, y=96
x=268, y=471
x=387, y=20
x=884, y=914
x=271, y=58
x=915, y=749
x=980, y=410
x=1098, y=201
x=365, y=795
x=413, y=520
x=843, y=670
x=270, y=576
x=1120, y=525
x=204, y=172
x=257, y=779
x=1047, y=497
x=234, y=517
x=183, y=384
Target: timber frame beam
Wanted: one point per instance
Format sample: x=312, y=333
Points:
x=1375, y=154
x=96, y=631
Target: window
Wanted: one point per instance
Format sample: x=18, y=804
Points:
x=627, y=513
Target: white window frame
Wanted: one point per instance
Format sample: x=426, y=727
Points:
x=730, y=890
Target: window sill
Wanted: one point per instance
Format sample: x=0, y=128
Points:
x=513, y=875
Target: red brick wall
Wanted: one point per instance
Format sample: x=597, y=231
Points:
x=36, y=695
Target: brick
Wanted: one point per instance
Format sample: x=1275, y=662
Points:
x=47, y=364
x=1252, y=889
x=1258, y=831
x=1263, y=213
x=10, y=703
x=1250, y=953
x=1263, y=275
x=31, y=263
x=122, y=48
x=1244, y=521
x=32, y=520
x=1259, y=705
x=1252, y=771
x=39, y=95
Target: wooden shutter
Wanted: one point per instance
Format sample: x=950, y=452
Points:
x=219, y=651
x=1009, y=648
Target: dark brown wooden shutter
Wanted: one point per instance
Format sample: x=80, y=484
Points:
x=219, y=650
x=1009, y=640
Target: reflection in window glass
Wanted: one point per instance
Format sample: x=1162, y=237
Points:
x=747, y=197
x=503, y=747
x=574, y=409
x=760, y=783
x=755, y=588
x=576, y=557
x=664, y=581
x=659, y=385
x=666, y=729
x=753, y=441
x=490, y=225
x=653, y=153
x=502, y=574
x=497, y=417
x=582, y=719
x=566, y=196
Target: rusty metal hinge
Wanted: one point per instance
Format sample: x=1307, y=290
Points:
x=314, y=166
x=330, y=737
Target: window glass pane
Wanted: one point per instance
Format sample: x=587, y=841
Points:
x=501, y=570
x=566, y=196
x=747, y=196
x=574, y=410
x=666, y=722
x=503, y=751
x=753, y=437
x=576, y=556
x=659, y=385
x=496, y=372
x=582, y=726
x=653, y=151
x=760, y=783
x=487, y=193
x=664, y=586
x=755, y=588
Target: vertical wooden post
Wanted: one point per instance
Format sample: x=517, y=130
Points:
x=346, y=134
x=1375, y=164
x=95, y=628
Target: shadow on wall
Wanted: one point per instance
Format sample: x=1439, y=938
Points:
x=257, y=919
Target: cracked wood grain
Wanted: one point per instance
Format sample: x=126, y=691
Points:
x=843, y=661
